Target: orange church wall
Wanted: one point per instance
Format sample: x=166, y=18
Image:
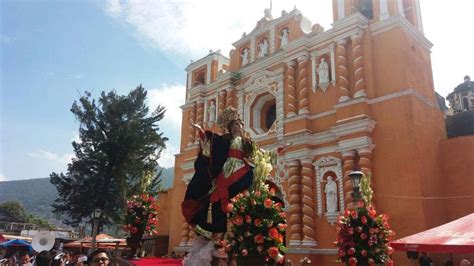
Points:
x=457, y=157
x=164, y=212
x=396, y=163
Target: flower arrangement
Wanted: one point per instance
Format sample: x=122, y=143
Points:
x=141, y=215
x=363, y=236
x=257, y=222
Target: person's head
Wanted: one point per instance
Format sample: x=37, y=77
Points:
x=99, y=257
x=235, y=127
x=43, y=259
x=24, y=258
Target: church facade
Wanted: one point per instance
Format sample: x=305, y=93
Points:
x=357, y=96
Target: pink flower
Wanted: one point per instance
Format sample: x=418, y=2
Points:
x=354, y=214
x=230, y=207
x=272, y=191
x=363, y=219
x=257, y=222
x=273, y=252
x=268, y=203
x=278, y=206
x=352, y=261
x=390, y=250
x=244, y=252
x=371, y=262
x=238, y=220
x=341, y=253
x=364, y=252
x=259, y=248
x=351, y=251
x=248, y=219
x=246, y=193
x=363, y=236
x=283, y=215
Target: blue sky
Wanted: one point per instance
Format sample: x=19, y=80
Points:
x=53, y=50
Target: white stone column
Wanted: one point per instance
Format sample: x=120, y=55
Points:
x=384, y=13
x=333, y=62
x=341, y=13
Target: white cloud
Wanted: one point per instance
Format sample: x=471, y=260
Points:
x=167, y=156
x=171, y=97
x=75, y=137
x=3, y=178
x=191, y=28
x=62, y=159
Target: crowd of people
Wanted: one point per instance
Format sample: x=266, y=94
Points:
x=53, y=258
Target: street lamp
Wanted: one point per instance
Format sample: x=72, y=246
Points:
x=356, y=176
x=95, y=219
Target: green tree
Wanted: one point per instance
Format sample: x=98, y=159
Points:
x=12, y=211
x=116, y=156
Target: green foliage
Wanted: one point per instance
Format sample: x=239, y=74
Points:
x=116, y=156
x=12, y=211
x=363, y=236
x=257, y=222
x=141, y=215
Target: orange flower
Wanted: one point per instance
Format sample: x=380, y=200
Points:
x=273, y=233
x=281, y=227
x=273, y=252
x=259, y=239
x=268, y=203
x=257, y=222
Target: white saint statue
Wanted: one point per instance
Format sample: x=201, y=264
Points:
x=331, y=195
x=284, y=37
x=323, y=72
x=245, y=56
x=211, y=111
x=263, y=48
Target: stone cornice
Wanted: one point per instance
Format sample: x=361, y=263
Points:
x=364, y=125
x=400, y=21
x=211, y=56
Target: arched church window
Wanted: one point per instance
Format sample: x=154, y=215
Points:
x=270, y=116
x=200, y=79
x=465, y=104
x=366, y=8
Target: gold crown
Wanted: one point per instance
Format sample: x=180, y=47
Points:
x=226, y=116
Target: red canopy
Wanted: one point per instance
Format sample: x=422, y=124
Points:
x=454, y=237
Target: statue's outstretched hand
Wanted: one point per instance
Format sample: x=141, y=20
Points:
x=283, y=147
x=197, y=126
